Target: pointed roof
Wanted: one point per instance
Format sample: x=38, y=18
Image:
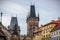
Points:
x=14, y=25
x=14, y=21
x=32, y=12
x=1, y=17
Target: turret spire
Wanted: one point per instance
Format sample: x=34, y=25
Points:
x=14, y=28
x=38, y=15
x=1, y=17
x=32, y=12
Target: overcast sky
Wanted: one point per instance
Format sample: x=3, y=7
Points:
x=47, y=9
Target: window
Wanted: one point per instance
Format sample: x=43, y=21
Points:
x=44, y=36
x=59, y=32
x=48, y=26
x=56, y=32
x=43, y=31
x=59, y=37
x=53, y=33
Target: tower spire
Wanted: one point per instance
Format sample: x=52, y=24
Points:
x=31, y=26
x=1, y=17
x=32, y=12
x=38, y=15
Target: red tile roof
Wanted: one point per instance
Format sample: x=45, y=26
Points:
x=57, y=21
x=53, y=22
x=56, y=28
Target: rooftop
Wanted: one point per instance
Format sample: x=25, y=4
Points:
x=56, y=28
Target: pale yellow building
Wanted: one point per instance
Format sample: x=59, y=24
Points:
x=46, y=30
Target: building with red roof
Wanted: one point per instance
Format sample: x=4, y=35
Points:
x=55, y=32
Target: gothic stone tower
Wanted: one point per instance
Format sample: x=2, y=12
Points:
x=32, y=21
x=14, y=28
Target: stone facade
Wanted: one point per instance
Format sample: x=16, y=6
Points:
x=4, y=33
x=32, y=21
x=38, y=34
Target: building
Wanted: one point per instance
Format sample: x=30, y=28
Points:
x=46, y=29
x=14, y=29
x=32, y=21
x=55, y=32
x=38, y=34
